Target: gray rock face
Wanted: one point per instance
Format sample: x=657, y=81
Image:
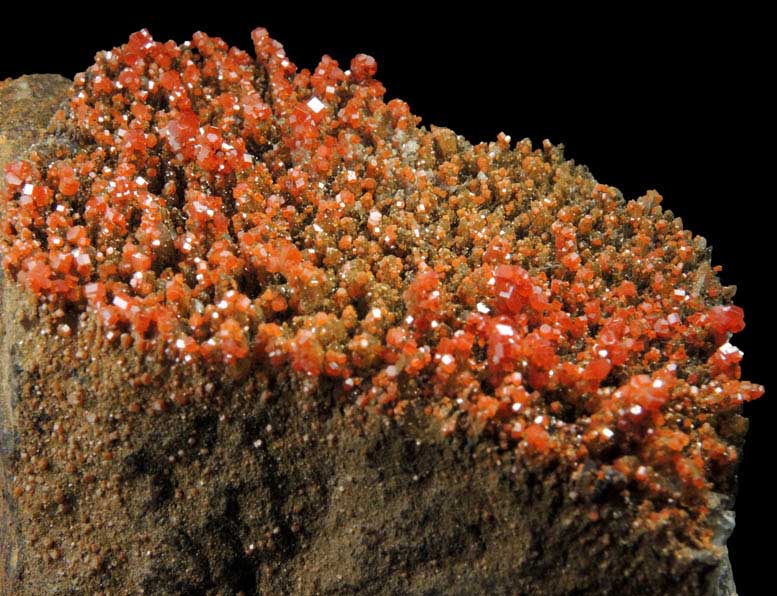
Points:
x=722, y=579
x=261, y=486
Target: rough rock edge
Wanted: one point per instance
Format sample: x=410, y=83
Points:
x=26, y=105
x=722, y=580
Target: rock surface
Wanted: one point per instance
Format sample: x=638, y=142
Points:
x=26, y=106
x=262, y=486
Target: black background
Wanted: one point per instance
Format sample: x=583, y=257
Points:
x=664, y=101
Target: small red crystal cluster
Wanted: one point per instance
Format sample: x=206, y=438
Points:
x=236, y=211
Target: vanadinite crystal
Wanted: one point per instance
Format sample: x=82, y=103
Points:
x=233, y=213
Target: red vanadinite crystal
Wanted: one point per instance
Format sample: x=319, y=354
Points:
x=233, y=210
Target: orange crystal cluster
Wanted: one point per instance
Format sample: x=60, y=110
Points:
x=239, y=212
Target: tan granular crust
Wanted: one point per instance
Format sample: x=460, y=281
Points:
x=26, y=106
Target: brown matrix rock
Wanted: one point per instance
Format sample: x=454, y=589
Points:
x=263, y=333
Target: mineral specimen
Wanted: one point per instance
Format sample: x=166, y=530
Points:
x=226, y=251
